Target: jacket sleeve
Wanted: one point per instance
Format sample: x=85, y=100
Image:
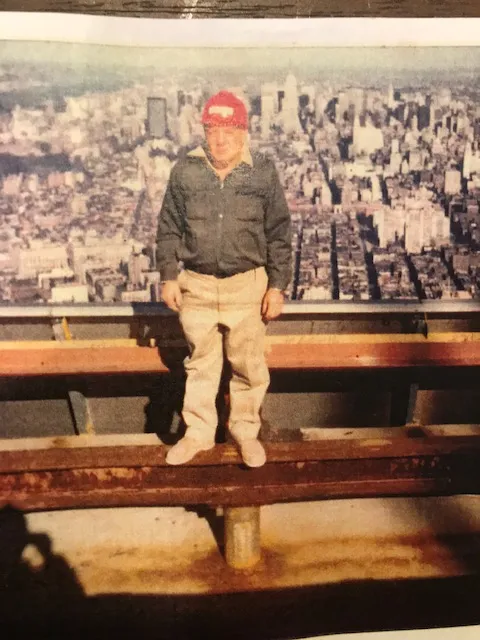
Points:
x=278, y=233
x=170, y=229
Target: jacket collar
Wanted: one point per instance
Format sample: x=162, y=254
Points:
x=199, y=152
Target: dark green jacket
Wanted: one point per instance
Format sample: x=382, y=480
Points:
x=225, y=228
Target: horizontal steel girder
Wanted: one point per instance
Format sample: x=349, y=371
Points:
x=78, y=359
x=73, y=472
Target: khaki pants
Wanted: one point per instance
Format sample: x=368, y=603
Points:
x=216, y=314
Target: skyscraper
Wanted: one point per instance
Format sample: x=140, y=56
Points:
x=390, y=97
x=290, y=106
x=467, y=160
x=267, y=115
x=157, y=117
x=453, y=182
x=426, y=224
x=367, y=138
x=390, y=224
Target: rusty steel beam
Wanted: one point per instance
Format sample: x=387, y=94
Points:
x=146, y=450
x=281, y=356
x=69, y=476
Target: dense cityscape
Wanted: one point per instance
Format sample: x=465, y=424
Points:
x=382, y=181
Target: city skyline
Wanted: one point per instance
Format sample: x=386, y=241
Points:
x=379, y=159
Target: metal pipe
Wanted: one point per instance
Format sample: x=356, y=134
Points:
x=292, y=308
x=242, y=537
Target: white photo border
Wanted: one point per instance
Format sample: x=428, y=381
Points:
x=239, y=32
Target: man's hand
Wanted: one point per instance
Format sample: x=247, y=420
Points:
x=272, y=304
x=171, y=295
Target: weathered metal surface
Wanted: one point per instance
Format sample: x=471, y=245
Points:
x=242, y=537
x=129, y=476
x=81, y=412
x=412, y=417
x=84, y=452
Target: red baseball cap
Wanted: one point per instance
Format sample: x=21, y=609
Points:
x=225, y=110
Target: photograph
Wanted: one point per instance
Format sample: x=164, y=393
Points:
x=239, y=327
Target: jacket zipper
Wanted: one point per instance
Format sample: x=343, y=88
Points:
x=220, y=219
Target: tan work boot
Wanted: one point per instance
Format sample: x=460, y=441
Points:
x=252, y=452
x=186, y=449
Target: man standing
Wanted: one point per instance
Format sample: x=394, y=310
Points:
x=224, y=215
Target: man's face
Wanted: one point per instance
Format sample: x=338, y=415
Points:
x=225, y=143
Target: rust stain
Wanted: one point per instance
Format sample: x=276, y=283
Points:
x=196, y=569
x=59, y=442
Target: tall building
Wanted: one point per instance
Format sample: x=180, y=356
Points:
x=320, y=105
x=426, y=225
x=414, y=231
x=395, y=163
x=423, y=117
x=326, y=195
x=267, y=117
x=186, y=122
x=432, y=116
x=356, y=97
x=376, y=188
x=349, y=194
x=343, y=103
x=271, y=89
x=390, y=223
x=309, y=90
x=453, y=182
x=416, y=160
x=444, y=97
x=290, y=106
x=390, y=97
x=157, y=117
x=366, y=139
x=138, y=263
x=467, y=160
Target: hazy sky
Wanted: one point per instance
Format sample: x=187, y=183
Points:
x=251, y=59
